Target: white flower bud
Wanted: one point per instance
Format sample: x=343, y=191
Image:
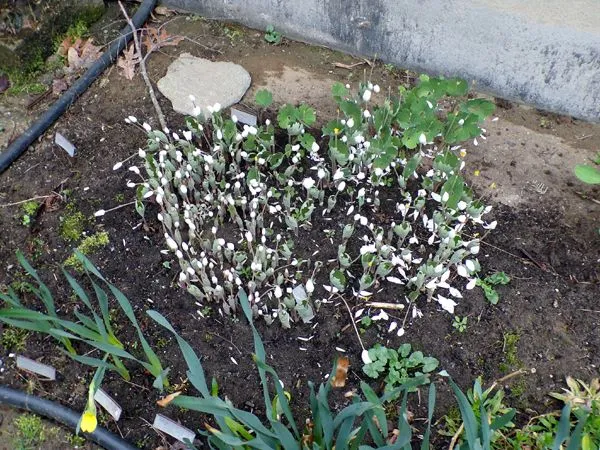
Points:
x=365, y=357
x=171, y=243
x=310, y=287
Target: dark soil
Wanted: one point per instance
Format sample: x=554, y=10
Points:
x=551, y=302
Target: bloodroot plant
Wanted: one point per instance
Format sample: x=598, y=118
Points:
x=233, y=202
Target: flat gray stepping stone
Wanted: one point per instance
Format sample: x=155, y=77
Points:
x=209, y=82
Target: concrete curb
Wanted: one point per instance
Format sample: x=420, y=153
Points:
x=538, y=52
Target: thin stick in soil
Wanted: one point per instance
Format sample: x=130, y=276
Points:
x=352, y=321
x=37, y=197
x=138, y=49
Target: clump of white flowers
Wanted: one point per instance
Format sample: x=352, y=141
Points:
x=234, y=204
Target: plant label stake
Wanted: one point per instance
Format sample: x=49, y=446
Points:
x=108, y=403
x=32, y=366
x=299, y=293
x=244, y=117
x=63, y=142
x=166, y=425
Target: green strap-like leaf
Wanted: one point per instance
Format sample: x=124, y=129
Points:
x=195, y=371
x=468, y=417
x=576, y=436
x=430, y=408
x=564, y=426
x=372, y=397
x=44, y=293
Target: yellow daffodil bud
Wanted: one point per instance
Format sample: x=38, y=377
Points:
x=89, y=422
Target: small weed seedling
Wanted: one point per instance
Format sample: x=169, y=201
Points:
x=29, y=209
x=233, y=34
x=364, y=323
x=460, y=323
x=490, y=282
x=398, y=366
x=76, y=441
x=272, y=36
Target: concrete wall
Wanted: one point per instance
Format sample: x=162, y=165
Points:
x=542, y=52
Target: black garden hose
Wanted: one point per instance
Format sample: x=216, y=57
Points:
x=59, y=413
x=18, y=147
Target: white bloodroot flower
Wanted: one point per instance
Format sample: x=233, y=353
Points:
x=365, y=357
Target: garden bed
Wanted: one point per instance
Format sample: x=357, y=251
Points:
x=545, y=321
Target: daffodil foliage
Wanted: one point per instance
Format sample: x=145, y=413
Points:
x=383, y=179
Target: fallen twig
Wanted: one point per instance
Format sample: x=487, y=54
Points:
x=352, y=320
x=540, y=265
x=226, y=340
x=37, y=197
x=384, y=305
x=138, y=48
x=587, y=197
x=348, y=66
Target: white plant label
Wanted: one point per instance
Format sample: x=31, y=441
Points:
x=38, y=368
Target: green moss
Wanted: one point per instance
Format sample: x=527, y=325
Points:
x=518, y=388
x=72, y=20
x=88, y=246
x=30, y=432
x=13, y=338
x=72, y=224
x=511, y=358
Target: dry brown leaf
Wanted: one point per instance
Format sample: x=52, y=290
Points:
x=168, y=399
x=155, y=38
x=64, y=46
x=128, y=61
x=341, y=372
x=80, y=54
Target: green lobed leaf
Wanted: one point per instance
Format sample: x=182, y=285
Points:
x=338, y=279
x=587, y=174
x=264, y=98
x=480, y=107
